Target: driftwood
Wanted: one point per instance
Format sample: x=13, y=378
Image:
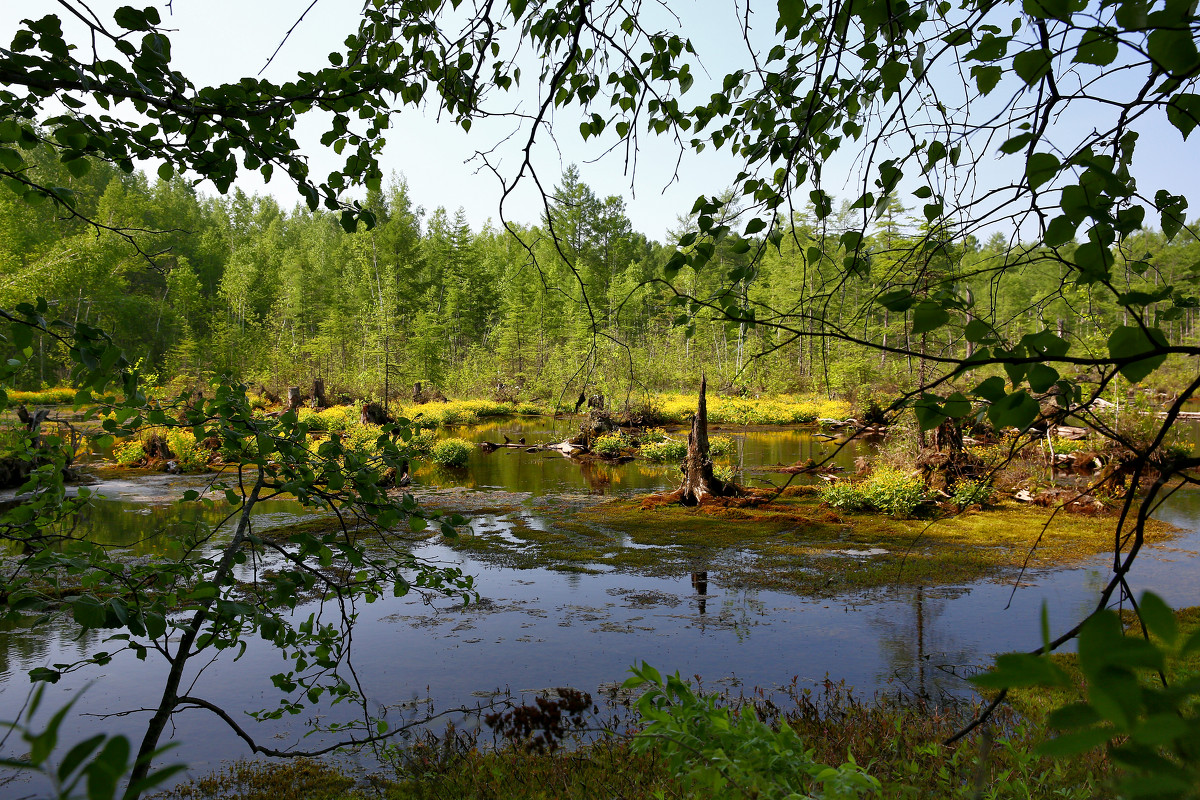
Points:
x=699, y=480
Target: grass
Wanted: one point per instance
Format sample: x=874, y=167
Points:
x=769, y=410
x=42, y=397
x=897, y=742
x=793, y=544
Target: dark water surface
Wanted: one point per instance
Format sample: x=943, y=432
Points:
x=541, y=628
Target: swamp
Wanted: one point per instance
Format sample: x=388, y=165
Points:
x=582, y=570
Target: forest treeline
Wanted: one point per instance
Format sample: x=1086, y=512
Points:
x=196, y=286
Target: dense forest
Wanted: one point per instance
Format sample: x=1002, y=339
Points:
x=196, y=286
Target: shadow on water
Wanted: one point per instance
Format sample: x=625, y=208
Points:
x=538, y=628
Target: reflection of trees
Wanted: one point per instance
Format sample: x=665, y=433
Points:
x=700, y=590
x=918, y=650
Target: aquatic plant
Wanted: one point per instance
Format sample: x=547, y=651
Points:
x=451, y=452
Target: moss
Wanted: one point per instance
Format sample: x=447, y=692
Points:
x=792, y=543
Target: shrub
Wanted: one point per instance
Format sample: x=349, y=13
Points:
x=610, y=445
x=844, y=495
x=418, y=445
x=973, y=493
x=887, y=490
x=660, y=447
x=312, y=419
x=719, y=446
x=893, y=491
x=339, y=419
x=361, y=440
x=451, y=452
x=189, y=455
x=723, y=753
x=130, y=453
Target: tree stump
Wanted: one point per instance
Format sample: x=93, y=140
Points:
x=698, y=479
x=373, y=414
x=318, y=393
x=293, y=398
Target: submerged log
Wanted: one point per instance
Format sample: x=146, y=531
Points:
x=699, y=479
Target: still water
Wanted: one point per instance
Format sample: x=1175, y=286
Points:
x=540, y=628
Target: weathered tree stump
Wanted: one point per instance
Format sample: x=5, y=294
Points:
x=699, y=479
x=373, y=414
x=318, y=393
x=293, y=398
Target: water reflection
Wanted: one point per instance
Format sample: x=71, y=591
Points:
x=539, y=628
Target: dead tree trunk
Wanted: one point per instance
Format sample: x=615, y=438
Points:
x=698, y=477
x=318, y=393
x=293, y=398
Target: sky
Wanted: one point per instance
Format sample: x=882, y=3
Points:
x=215, y=41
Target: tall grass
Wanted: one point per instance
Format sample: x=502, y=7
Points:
x=770, y=410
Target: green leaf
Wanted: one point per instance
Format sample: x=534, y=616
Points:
x=1173, y=49
x=1040, y=168
x=1048, y=9
x=977, y=331
x=1017, y=410
x=755, y=225
x=927, y=316
x=986, y=77
x=1159, y=618
x=1070, y=744
x=1060, y=231
x=1128, y=341
x=88, y=612
x=1032, y=65
x=929, y=412
x=1041, y=377
x=1098, y=46
x=897, y=300
x=1184, y=113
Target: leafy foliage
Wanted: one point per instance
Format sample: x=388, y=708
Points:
x=451, y=452
x=1140, y=703
x=733, y=755
x=887, y=490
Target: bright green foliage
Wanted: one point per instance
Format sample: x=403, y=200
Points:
x=657, y=446
x=611, y=445
x=130, y=453
x=973, y=493
x=734, y=754
x=1142, y=702
x=721, y=446
x=887, y=490
x=451, y=452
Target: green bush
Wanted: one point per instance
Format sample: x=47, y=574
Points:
x=893, y=491
x=313, y=419
x=189, y=455
x=130, y=453
x=844, y=495
x=418, y=445
x=451, y=452
x=974, y=493
x=887, y=490
x=663, y=448
x=720, y=446
x=722, y=753
x=610, y=445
